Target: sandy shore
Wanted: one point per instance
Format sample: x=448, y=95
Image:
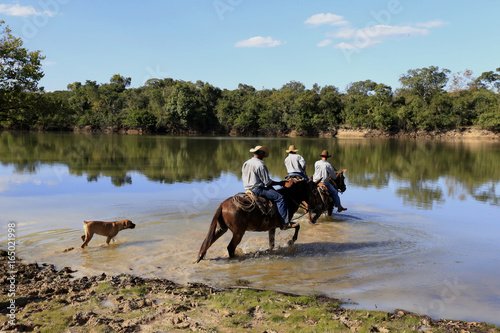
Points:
x=49, y=299
x=464, y=133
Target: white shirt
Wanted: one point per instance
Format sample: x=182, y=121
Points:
x=295, y=163
x=255, y=174
x=322, y=171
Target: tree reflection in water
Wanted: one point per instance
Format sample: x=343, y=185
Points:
x=468, y=168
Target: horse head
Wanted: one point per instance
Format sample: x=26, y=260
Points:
x=297, y=189
x=340, y=181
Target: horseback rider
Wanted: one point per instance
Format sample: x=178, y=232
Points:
x=295, y=164
x=256, y=179
x=323, y=171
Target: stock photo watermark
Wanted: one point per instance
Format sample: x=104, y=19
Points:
x=418, y=158
x=11, y=272
x=448, y=294
x=203, y=196
x=371, y=32
x=155, y=73
x=44, y=11
x=222, y=7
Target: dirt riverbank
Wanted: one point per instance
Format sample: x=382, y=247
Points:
x=49, y=299
x=464, y=133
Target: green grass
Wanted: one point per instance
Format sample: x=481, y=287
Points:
x=104, y=287
x=54, y=318
x=142, y=290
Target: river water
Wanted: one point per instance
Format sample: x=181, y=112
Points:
x=421, y=231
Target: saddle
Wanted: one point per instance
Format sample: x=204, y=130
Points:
x=295, y=177
x=325, y=195
x=248, y=201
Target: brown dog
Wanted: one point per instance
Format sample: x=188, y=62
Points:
x=108, y=229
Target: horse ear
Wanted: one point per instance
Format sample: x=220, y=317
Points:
x=343, y=171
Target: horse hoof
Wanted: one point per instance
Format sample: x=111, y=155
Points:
x=291, y=242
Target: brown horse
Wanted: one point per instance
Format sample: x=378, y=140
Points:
x=230, y=216
x=325, y=204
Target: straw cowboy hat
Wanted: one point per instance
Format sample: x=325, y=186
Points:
x=262, y=149
x=324, y=153
x=292, y=149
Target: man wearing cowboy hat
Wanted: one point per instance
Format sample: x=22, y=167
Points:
x=323, y=171
x=256, y=179
x=295, y=164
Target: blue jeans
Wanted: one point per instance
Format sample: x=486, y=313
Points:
x=335, y=194
x=301, y=174
x=277, y=198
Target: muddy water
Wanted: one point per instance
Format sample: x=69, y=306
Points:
x=421, y=232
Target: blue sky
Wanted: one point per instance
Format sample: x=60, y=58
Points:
x=265, y=44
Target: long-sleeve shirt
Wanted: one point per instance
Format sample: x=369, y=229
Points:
x=322, y=171
x=255, y=174
x=295, y=163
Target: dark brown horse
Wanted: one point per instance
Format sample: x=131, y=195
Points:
x=233, y=217
x=323, y=198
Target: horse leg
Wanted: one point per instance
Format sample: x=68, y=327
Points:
x=308, y=213
x=330, y=209
x=217, y=228
x=312, y=219
x=272, y=234
x=295, y=235
x=234, y=243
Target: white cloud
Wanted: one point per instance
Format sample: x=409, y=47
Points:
x=432, y=24
x=357, y=45
x=258, y=41
x=325, y=42
x=370, y=36
x=328, y=18
x=345, y=33
x=385, y=31
x=49, y=63
x=24, y=11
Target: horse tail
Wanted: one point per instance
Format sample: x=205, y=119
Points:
x=211, y=236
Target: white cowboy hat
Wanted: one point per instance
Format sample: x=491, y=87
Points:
x=262, y=149
x=292, y=149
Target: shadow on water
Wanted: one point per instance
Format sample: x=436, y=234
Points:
x=338, y=218
x=140, y=243
x=305, y=250
x=118, y=244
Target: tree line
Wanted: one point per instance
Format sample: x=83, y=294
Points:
x=429, y=99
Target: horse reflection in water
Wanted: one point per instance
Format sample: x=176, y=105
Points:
x=233, y=217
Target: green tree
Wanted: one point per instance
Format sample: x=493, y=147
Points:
x=20, y=72
x=489, y=80
x=461, y=81
x=425, y=82
x=239, y=110
x=364, y=88
x=120, y=82
x=329, y=109
x=361, y=100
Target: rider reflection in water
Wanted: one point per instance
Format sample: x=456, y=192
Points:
x=256, y=179
x=323, y=171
